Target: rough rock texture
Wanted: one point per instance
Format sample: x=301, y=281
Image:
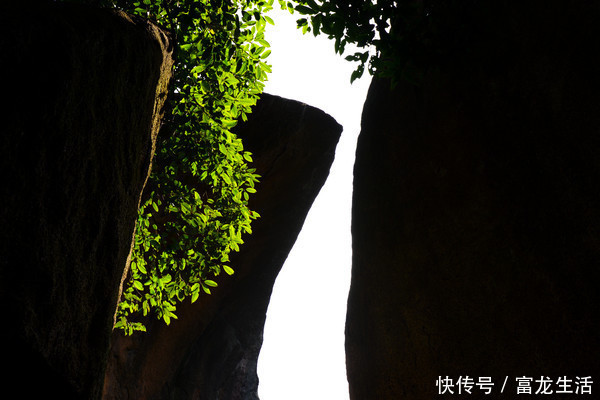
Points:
x=83, y=93
x=211, y=351
x=476, y=214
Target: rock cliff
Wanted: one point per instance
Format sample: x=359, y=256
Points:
x=210, y=352
x=476, y=213
x=84, y=91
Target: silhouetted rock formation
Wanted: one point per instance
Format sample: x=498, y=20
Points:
x=211, y=351
x=476, y=212
x=83, y=95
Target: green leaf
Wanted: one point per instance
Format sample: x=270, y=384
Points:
x=121, y=323
x=229, y=123
x=210, y=283
x=228, y=270
x=226, y=178
x=142, y=268
x=304, y=9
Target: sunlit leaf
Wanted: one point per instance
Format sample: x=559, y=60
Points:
x=228, y=270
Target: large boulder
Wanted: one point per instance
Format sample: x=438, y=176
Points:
x=211, y=351
x=476, y=213
x=84, y=90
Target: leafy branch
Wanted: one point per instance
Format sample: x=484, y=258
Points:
x=393, y=37
x=195, y=206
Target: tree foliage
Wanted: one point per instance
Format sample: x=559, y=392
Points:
x=394, y=38
x=194, y=209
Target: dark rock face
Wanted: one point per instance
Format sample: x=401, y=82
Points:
x=84, y=95
x=476, y=215
x=211, y=351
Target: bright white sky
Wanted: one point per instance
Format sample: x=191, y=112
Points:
x=303, y=353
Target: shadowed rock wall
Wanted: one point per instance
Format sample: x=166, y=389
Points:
x=210, y=352
x=476, y=213
x=83, y=94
